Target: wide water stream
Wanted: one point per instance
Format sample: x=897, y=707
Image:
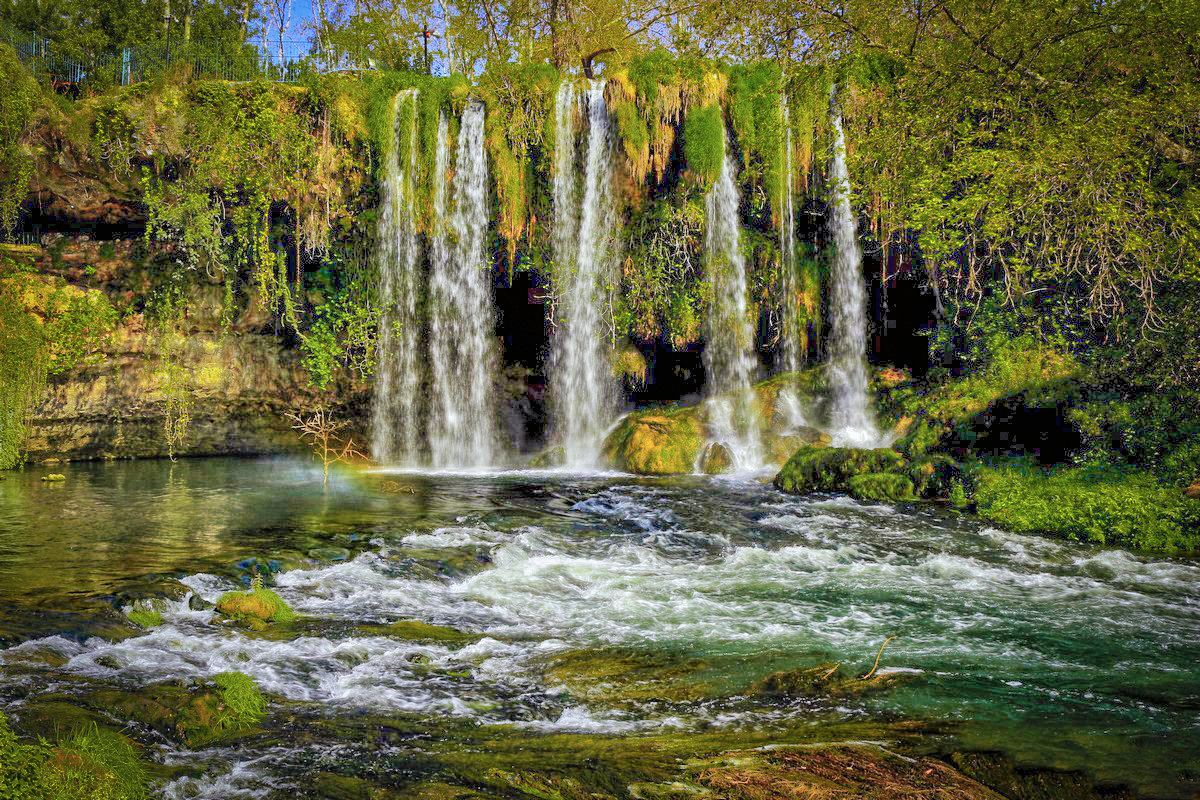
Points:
x=597, y=605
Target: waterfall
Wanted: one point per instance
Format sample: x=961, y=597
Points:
x=792, y=404
x=851, y=422
x=729, y=351
x=395, y=427
x=586, y=252
x=462, y=429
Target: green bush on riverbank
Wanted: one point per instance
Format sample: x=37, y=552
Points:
x=1089, y=504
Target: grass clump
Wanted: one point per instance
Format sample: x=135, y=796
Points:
x=256, y=607
x=93, y=764
x=244, y=704
x=1089, y=504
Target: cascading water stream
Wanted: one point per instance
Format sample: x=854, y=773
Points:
x=729, y=351
x=586, y=250
x=395, y=425
x=462, y=430
x=790, y=400
x=851, y=422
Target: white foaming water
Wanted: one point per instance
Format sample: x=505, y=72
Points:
x=851, y=422
x=729, y=351
x=395, y=420
x=586, y=253
x=794, y=333
x=462, y=428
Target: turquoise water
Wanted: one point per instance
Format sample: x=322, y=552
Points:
x=1058, y=654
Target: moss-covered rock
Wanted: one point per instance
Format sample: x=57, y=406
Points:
x=256, y=608
x=778, y=448
x=814, y=469
x=656, y=442
x=145, y=619
x=881, y=487
x=716, y=460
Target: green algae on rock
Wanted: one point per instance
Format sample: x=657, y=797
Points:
x=656, y=442
x=145, y=618
x=256, y=607
x=830, y=469
x=880, y=487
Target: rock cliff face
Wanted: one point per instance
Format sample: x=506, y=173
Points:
x=225, y=387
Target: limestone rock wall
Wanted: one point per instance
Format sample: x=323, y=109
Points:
x=233, y=381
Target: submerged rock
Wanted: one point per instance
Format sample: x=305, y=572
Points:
x=824, y=680
x=54, y=477
x=550, y=457
x=198, y=603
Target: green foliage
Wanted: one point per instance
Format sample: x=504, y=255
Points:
x=244, y=705
x=18, y=95
x=20, y=765
x=47, y=328
x=756, y=115
x=1101, y=505
x=1006, y=359
x=704, y=142
x=91, y=764
x=344, y=323
x=663, y=278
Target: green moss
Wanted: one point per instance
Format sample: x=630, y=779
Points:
x=880, y=487
x=259, y=605
x=145, y=619
x=830, y=469
x=656, y=442
x=1089, y=504
x=704, y=142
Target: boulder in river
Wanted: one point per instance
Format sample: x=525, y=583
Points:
x=818, y=469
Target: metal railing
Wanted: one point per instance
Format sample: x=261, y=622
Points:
x=280, y=61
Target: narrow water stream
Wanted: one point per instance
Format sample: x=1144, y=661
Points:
x=1058, y=654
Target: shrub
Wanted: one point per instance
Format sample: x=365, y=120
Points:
x=1100, y=505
